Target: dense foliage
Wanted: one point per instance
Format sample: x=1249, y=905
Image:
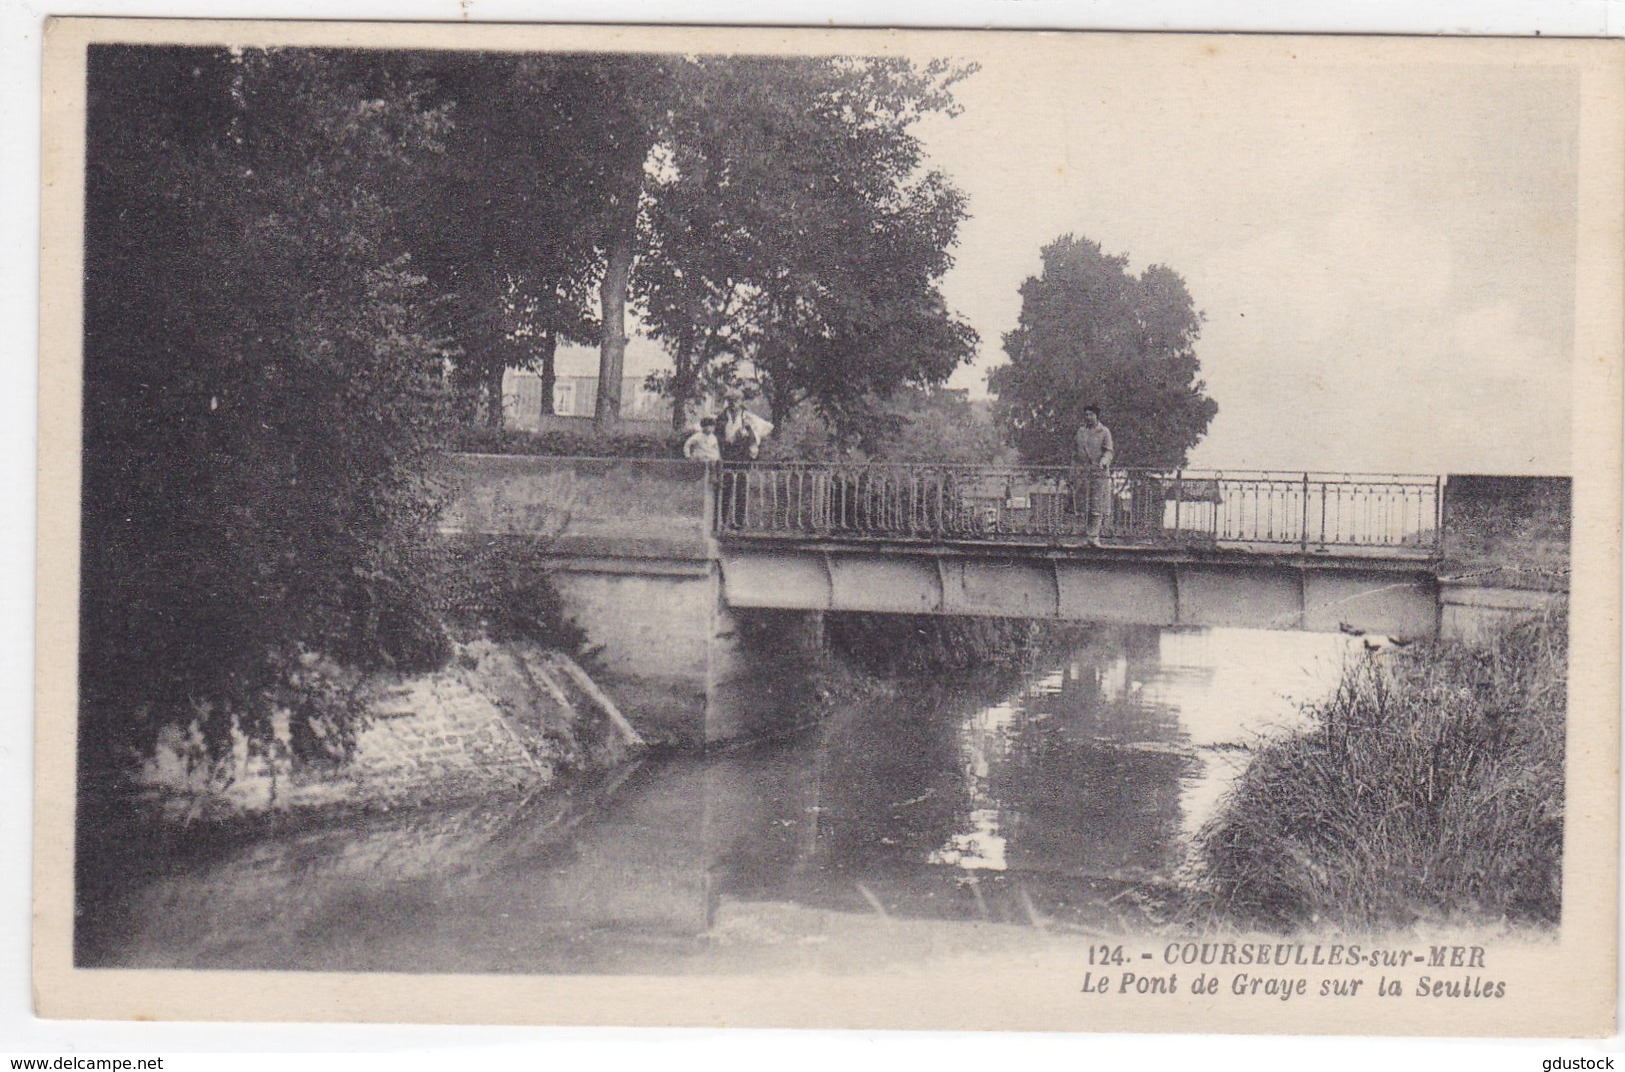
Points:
x=909, y=425
x=1090, y=333
x=498, y=588
x=791, y=230
x=506, y=219
x=263, y=384
x=768, y=217
x=928, y=645
x=306, y=271
x=626, y=443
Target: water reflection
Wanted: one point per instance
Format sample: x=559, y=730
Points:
x=1051, y=802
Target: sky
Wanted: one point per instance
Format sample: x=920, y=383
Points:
x=1384, y=251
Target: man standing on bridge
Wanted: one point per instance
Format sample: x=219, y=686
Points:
x=739, y=435
x=739, y=431
x=1094, y=489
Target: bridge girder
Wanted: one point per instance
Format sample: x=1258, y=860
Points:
x=1391, y=598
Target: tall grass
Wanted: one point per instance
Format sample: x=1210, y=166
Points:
x=1430, y=788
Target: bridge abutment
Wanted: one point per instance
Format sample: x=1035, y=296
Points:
x=632, y=555
x=1471, y=612
x=652, y=635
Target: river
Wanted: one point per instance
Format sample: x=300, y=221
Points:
x=944, y=818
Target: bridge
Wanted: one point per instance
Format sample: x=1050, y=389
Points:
x=654, y=557
x=1312, y=551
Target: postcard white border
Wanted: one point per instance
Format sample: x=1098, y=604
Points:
x=1593, y=766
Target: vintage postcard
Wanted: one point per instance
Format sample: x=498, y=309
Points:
x=560, y=524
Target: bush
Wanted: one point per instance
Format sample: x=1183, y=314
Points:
x=1431, y=787
x=911, y=425
x=265, y=399
x=263, y=388
x=472, y=439
x=495, y=587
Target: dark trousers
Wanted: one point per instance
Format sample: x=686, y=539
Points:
x=731, y=495
x=1092, y=497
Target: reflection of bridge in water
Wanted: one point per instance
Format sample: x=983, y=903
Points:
x=655, y=558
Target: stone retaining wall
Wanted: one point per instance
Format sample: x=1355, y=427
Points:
x=498, y=718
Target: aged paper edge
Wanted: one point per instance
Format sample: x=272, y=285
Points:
x=1574, y=977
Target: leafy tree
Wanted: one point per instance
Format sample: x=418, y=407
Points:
x=912, y=425
x=1092, y=333
x=506, y=219
x=262, y=388
x=791, y=230
x=633, y=97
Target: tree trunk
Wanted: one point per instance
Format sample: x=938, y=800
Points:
x=612, y=348
x=780, y=401
x=465, y=397
x=683, y=375
x=493, y=393
x=776, y=391
x=545, y=352
x=620, y=247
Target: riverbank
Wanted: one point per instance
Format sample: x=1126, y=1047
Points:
x=243, y=879
x=499, y=717
x=1429, y=790
x=865, y=838
x=1508, y=532
x=499, y=725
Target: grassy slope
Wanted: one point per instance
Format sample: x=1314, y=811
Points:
x=1431, y=788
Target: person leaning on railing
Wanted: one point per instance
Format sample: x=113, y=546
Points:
x=739, y=436
x=1095, y=451
x=702, y=446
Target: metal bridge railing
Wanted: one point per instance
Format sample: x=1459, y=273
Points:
x=1306, y=511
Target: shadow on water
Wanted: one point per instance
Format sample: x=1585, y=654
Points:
x=902, y=827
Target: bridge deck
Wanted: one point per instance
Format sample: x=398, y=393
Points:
x=1238, y=552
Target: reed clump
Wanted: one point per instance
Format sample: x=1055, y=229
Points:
x=1429, y=789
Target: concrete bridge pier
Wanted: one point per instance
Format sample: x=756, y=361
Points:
x=682, y=666
x=652, y=627
x=633, y=557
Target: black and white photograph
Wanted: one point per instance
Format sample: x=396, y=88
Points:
x=1048, y=531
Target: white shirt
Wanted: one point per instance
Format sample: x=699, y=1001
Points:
x=702, y=446
x=729, y=427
